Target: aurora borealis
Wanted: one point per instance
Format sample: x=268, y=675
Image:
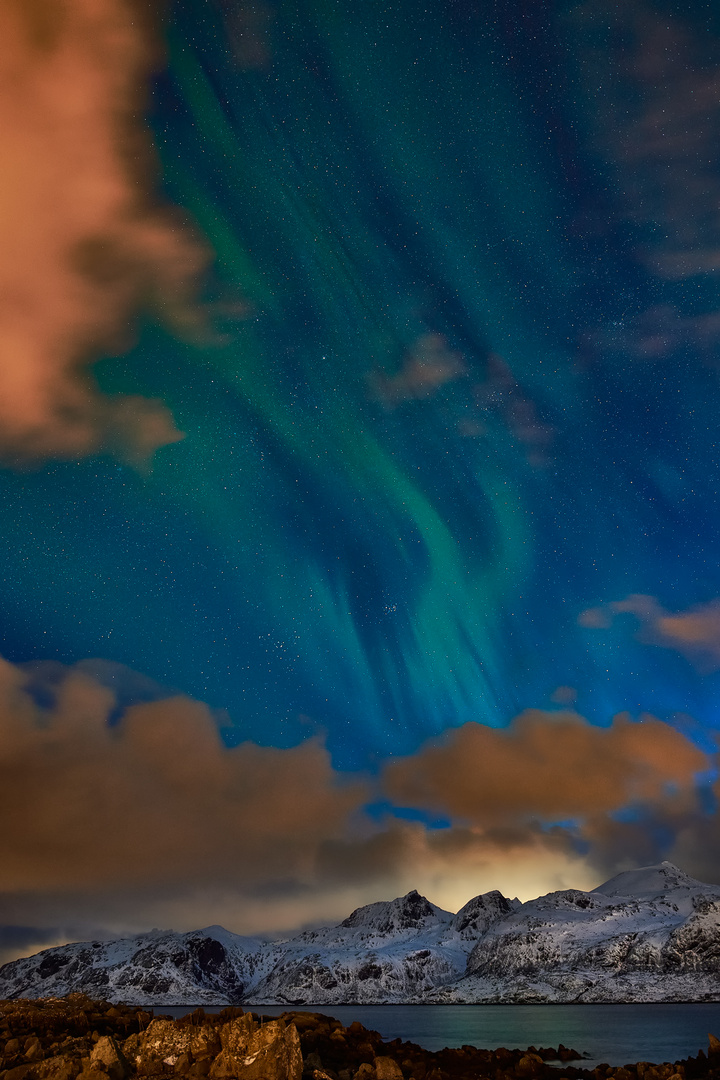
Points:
x=448, y=386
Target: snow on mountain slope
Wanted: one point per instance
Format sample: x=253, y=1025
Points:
x=376, y=924
x=206, y=966
x=480, y=913
x=653, y=882
x=646, y=935
x=390, y=951
x=650, y=934
x=393, y=973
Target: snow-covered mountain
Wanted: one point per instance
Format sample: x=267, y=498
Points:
x=208, y=966
x=390, y=951
x=646, y=935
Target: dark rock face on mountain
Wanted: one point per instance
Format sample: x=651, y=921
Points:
x=210, y=966
x=411, y=912
x=646, y=935
x=479, y=914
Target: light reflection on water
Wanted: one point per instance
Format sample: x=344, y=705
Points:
x=615, y=1034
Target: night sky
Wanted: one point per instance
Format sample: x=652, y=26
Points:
x=359, y=424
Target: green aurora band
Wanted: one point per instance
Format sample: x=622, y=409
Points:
x=427, y=440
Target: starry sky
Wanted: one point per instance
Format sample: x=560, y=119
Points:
x=358, y=428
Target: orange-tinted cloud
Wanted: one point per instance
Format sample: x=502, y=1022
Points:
x=671, y=144
x=695, y=633
x=82, y=243
x=149, y=819
x=502, y=394
x=658, y=122
x=428, y=366
x=655, y=334
x=154, y=800
x=652, y=84
x=546, y=766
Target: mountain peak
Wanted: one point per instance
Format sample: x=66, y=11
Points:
x=409, y=912
x=482, y=911
x=649, y=881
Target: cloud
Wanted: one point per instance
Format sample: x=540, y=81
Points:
x=502, y=395
x=695, y=632
x=18, y=941
x=426, y=367
x=656, y=333
x=547, y=766
x=452, y=865
x=653, y=86
x=83, y=244
x=658, y=121
x=669, y=146
x=122, y=809
x=553, y=802
x=154, y=800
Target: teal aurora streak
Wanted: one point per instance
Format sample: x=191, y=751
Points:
x=432, y=438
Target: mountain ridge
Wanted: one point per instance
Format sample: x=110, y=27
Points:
x=651, y=934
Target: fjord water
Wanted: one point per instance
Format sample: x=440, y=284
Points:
x=614, y=1034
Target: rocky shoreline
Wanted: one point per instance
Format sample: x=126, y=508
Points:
x=77, y=1038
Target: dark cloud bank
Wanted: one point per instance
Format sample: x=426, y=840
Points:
x=115, y=821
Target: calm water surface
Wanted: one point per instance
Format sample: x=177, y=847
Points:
x=615, y=1034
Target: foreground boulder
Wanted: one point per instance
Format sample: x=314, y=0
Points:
x=75, y=1038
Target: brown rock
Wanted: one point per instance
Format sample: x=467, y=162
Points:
x=92, y=1072
x=236, y=1034
x=164, y=1041
x=21, y=1072
x=60, y=1067
x=107, y=1055
x=529, y=1065
x=365, y=1072
x=33, y=1050
x=386, y=1068
x=254, y=1051
x=304, y=1021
